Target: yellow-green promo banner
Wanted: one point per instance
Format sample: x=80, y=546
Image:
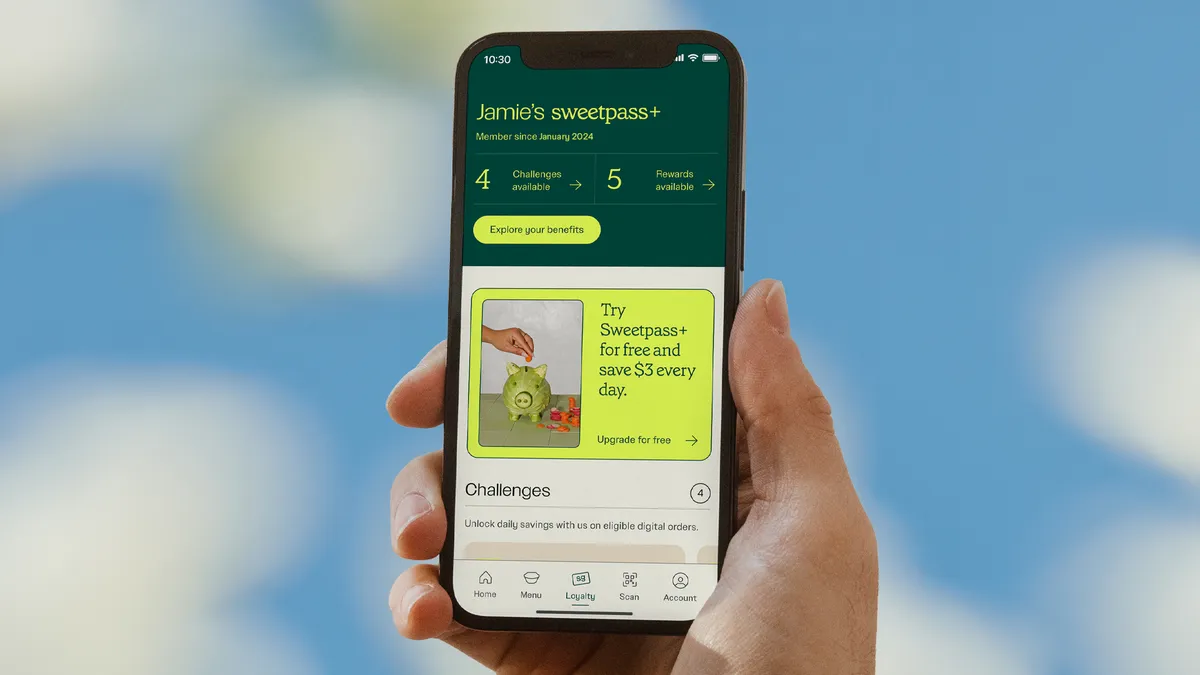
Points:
x=646, y=374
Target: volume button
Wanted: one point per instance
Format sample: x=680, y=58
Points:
x=742, y=233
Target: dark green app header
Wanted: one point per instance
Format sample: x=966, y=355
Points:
x=621, y=167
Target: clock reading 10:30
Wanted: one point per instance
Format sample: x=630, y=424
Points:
x=497, y=58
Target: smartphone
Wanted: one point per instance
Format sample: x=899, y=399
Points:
x=596, y=259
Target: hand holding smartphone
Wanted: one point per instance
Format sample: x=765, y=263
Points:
x=620, y=519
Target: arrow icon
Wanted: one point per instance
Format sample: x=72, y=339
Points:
x=710, y=185
x=693, y=440
x=576, y=184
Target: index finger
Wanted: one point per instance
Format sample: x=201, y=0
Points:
x=417, y=400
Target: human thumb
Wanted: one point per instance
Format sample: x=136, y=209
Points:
x=787, y=419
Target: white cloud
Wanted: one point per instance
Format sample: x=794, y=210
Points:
x=425, y=38
x=827, y=370
x=135, y=507
x=338, y=181
x=438, y=658
x=85, y=81
x=1120, y=346
x=344, y=181
x=248, y=645
x=923, y=631
x=1129, y=601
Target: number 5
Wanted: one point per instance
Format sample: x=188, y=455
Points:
x=612, y=175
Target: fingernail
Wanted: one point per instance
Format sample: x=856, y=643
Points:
x=777, y=311
x=413, y=506
x=411, y=596
x=429, y=355
x=424, y=363
x=416, y=369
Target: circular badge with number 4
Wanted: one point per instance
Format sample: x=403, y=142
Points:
x=700, y=493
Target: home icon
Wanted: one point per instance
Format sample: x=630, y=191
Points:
x=485, y=578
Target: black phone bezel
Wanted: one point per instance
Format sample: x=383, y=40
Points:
x=608, y=49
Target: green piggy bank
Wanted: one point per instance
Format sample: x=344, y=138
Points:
x=526, y=392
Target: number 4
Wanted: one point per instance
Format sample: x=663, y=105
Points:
x=483, y=179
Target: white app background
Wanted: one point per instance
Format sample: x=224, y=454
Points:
x=625, y=539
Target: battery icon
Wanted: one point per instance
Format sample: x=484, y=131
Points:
x=711, y=58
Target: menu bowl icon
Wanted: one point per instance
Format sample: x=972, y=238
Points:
x=532, y=577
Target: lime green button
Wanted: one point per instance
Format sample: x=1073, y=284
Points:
x=537, y=229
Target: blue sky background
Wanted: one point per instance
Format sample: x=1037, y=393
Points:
x=911, y=176
x=915, y=172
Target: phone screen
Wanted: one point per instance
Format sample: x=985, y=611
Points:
x=589, y=423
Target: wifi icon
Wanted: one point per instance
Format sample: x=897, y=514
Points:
x=693, y=57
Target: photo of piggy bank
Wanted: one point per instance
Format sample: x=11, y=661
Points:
x=526, y=392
